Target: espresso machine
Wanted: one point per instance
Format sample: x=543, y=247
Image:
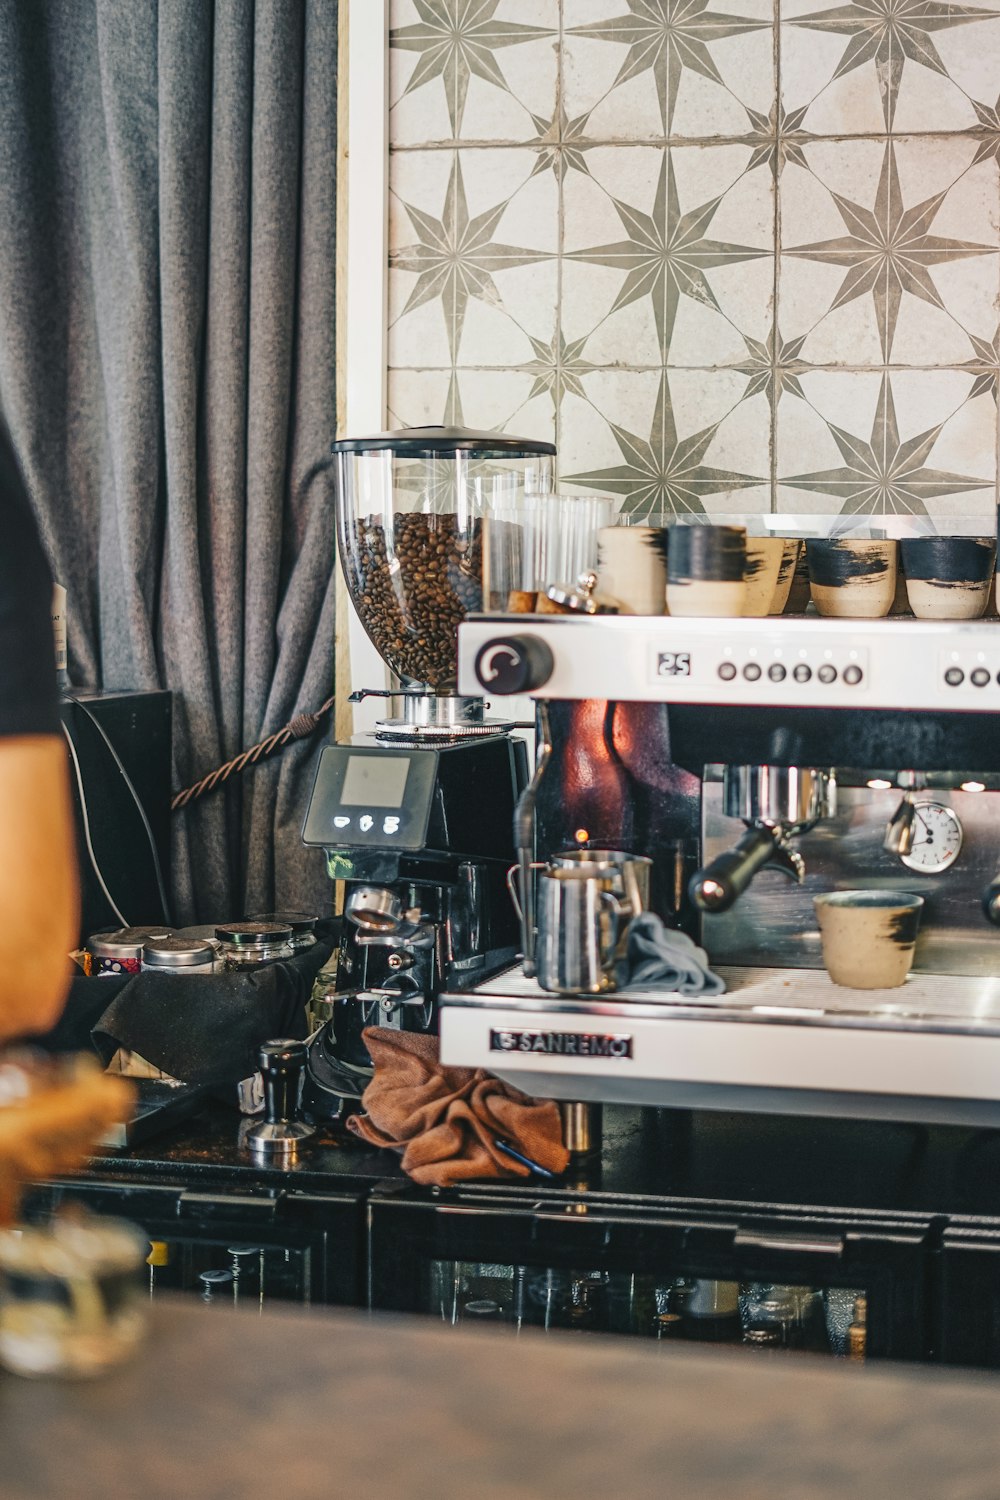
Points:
x=416, y=818
x=758, y=763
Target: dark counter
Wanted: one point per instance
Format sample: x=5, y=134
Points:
x=335, y=1404
x=766, y=1159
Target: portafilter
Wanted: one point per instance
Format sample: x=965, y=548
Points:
x=777, y=803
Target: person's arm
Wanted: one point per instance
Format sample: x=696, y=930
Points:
x=39, y=911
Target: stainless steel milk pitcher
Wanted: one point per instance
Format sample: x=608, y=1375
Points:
x=584, y=902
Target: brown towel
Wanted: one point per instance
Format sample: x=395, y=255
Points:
x=445, y=1120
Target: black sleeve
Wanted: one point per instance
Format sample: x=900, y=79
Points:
x=29, y=697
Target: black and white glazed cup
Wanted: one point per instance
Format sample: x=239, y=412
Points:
x=798, y=595
x=852, y=578
x=764, y=557
x=791, y=549
x=868, y=937
x=706, y=570
x=632, y=567
x=948, y=577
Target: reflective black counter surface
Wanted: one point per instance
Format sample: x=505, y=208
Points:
x=743, y=1158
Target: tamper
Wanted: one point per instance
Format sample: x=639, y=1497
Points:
x=278, y=1136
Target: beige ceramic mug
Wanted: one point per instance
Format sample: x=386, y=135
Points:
x=791, y=549
x=868, y=937
x=764, y=557
x=852, y=577
x=706, y=570
x=948, y=577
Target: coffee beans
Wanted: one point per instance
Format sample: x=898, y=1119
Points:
x=412, y=586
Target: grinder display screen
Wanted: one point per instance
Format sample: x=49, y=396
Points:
x=375, y=780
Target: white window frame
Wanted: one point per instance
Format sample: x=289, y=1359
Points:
x=363, y=266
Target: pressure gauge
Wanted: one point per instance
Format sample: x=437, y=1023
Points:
x=937, y=839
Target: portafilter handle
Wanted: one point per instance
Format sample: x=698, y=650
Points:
x=716, y=887
x=279, y=1135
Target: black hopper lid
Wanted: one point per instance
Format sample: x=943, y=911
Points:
x=434, y=442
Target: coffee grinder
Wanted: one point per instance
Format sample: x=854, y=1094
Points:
x=417, y=817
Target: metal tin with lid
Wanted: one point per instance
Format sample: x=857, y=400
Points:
x=115, y=953
x=245, y=945
x=302, y=923
x=178, y=955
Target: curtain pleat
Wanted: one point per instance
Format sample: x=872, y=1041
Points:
x=167, y=250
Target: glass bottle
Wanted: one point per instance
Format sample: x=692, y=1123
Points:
x=247, y=945
x=712, y=1312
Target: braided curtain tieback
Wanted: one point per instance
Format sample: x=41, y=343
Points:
x=298, y=728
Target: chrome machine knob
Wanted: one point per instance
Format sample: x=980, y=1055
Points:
x=514, y=664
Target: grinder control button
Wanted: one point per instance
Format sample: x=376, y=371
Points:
x=979, y=676
x=852, y=675
x=514, y=664
x=802, y=673
x=727, y=671
x=751, y=671
x=827, y=672
x=776, y=672
x=954, y=677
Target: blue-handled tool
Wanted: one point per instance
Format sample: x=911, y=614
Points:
x=525, y=1161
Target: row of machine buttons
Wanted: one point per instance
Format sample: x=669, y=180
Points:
x=801, y=672
x=979, y=677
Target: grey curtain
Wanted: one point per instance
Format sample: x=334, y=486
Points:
x=167, y=248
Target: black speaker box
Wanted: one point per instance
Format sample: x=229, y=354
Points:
x=136, y=729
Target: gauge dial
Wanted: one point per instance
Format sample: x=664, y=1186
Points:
x=937, y=839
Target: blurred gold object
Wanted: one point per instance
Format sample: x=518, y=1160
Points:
x=857, y=1334
x=52, y=1113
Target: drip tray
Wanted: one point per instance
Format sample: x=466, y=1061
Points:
x=779, y=1041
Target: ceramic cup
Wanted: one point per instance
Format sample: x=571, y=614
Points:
x=791, y=548
x=764, y=559
x=948, y=577
x=706, y=570
x=632, y=567
x=868, y=936
x=798, y=595
x=851, y=578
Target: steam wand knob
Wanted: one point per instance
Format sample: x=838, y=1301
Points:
x=278, y=1137
x=991, y=901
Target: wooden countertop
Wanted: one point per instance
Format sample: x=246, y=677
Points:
x=223, y=1405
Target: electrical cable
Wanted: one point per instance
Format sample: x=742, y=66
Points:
x=160, y=883
x=86, y=827
x=298, y=728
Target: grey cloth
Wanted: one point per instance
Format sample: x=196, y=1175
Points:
x=659, y=957
x=167, y=253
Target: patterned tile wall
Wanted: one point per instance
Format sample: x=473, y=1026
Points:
x=732, y=255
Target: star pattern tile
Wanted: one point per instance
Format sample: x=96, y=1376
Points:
x=773, y=373
x=888, y=250
x=557, y=367
x=988, y=131
x=456, y=256
x=883, y=474
x=797, y=272
x=663, y=472
x=985, y=365
x=666, y=36
x=454, y=40
x=777, y=138
x=561, y=143
x=668, y=254
x=890, y=34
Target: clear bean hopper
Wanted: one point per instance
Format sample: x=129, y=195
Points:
x=413, y=509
